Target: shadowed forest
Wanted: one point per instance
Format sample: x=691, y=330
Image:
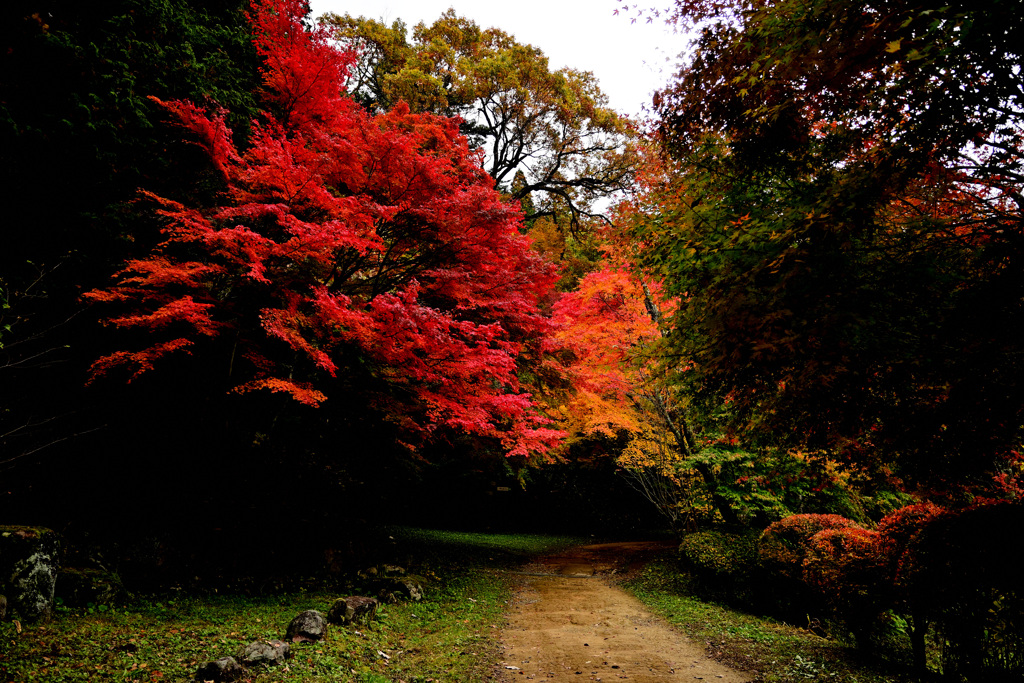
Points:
x=277, y=289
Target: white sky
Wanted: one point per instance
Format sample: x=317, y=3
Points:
x=629, y=60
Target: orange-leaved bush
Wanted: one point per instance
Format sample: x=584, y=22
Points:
x=898, y=530
x=784, y=544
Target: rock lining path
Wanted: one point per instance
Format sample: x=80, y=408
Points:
x=570, y=623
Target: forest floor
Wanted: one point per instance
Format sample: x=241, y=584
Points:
x=498, y=607
x=570, y=622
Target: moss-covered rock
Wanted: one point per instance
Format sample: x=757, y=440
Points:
x=355, y=609
x=29, y=563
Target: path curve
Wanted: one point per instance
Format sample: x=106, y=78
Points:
x=570, y=623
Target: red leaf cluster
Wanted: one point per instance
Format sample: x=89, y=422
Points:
x=897, y=530
x=344, y=234
x=783, y=545
x=844, y=564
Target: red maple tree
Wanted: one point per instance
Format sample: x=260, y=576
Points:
x=344, y=238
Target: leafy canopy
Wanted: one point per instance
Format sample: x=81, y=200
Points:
x=553, y=127
x=344, y=246
x=841, y=213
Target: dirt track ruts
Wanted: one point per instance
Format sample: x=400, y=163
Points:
x=569, y=622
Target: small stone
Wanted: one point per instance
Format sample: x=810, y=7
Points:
x=267, y=653
x=306, y=627
x=355, y=609
x=221, y=670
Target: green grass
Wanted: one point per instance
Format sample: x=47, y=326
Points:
x=450, y=636
x=478, y=548
x=772, y=651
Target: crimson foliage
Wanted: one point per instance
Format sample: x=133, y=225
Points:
x=343, y=243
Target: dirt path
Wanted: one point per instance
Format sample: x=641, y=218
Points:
x=569, y=623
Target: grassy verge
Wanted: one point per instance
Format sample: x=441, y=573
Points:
x=449, y=636
x=773, y=652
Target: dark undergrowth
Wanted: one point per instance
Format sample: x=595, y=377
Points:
x=771, y=651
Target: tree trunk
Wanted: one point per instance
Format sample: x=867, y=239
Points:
x=917, y=644
x=721, y=504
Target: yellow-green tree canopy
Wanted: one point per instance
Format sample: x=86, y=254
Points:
x=555, y=127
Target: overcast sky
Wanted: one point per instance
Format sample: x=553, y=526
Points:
x=630, y=60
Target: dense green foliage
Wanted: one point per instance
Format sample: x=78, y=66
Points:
x=75, y=152
x=719, y=557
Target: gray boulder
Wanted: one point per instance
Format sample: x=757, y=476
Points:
x=28, y=570
x=308, y=626
x=266, y=653
x=355, y=609
x=222, y=670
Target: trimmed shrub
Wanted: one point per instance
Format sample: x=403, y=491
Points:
x=846, y=567
x=898, y=530
x=723, y=566
x=781, y=550
x=720, y=556
x=906, y=592
x=783, y=545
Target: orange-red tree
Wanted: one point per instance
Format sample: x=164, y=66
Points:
x=342, y=244
x=609, y=330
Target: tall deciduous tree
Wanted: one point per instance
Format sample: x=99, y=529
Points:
x=349, y=251
x=553, y=126
x=607, y=330
x=844, y=213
